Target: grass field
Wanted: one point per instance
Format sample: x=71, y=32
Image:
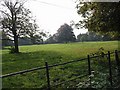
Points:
x=36, y=55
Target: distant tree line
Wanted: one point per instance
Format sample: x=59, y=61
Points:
x=7, y=41
x=93, y=36
x=64, y=34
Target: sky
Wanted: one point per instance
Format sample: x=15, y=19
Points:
x=51, y=14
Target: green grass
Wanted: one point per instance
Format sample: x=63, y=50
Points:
x=36, y=56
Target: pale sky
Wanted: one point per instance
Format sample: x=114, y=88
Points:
x=51, y=14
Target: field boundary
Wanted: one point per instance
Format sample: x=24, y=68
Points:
x=47, y=67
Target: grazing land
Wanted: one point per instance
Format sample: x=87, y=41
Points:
x=36, y=56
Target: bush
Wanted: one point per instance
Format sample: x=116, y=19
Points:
x=12, y=49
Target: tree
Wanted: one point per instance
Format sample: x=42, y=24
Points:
x=101, y=17
x=5, y=39
x=65, y=34
x=84, y=37
x=79, y=37
x=93, y=36
x=25, y=41
x=16, y=21
x=52, y=39
x=35, y=35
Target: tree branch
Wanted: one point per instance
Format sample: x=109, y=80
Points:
x=6, y=14
x=7, y=39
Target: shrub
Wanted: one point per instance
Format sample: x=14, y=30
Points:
x=12, y=49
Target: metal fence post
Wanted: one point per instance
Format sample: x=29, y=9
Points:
x=47, y=75
x=117, y=61
x=89, y=69
x=110, y=69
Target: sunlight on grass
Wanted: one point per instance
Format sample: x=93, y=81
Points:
x=52, y=53
x=36, y=56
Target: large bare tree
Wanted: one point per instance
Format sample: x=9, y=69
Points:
x=16, y=20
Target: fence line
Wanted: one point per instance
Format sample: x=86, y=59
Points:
x=50, y=66
x=47, y=67
x=39, y=68
x=21, y=72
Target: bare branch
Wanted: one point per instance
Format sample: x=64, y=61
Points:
x=15, y=4
x=7, y=39
x=6, y=14
x=10, y=35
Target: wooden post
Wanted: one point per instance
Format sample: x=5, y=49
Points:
x=117, y=61
x=110, y=70
x=89, y=69
x=47, y=75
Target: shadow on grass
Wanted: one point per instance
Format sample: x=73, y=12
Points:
x=39, y=55
x=28, y=60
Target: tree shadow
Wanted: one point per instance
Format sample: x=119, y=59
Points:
x=28, y=60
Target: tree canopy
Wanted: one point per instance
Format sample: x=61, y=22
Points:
x=64, y=34
x=16, y=21
x=100, y=16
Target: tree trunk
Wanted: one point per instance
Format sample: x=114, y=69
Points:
x=16, y=43
x=16, y=50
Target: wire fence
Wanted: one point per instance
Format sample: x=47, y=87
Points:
x=100, y=71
